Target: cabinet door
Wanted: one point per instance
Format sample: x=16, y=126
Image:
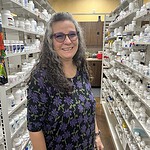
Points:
x=95, y=67
x=93, y=32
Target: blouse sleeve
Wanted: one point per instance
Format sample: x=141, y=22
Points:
x=36, y=103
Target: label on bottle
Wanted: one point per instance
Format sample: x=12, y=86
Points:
x=18, y=48
x=22, y=47
x=10, y=22
x=6, y=48
x=14, y=48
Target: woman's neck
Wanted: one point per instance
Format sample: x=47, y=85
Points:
x=69, y=69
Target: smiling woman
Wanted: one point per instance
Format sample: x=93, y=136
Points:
x=61, y=105
x=62, y=43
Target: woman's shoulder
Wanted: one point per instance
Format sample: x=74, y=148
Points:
x=36, y=76
x=38, y=73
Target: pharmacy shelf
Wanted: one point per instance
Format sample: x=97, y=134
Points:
x=15, y=54
x=135, y=93
x=22, y=53
x=128, y=18
x=25, y=144
x=116, y=129
x=142, y=43
x=1, y=139
x=5, y=122
x=144, y=17
x=109, y=105
x=20, y=10
x=106, y=47
x=129, y=127
x=19, y=34
x=33, y=51
x=110, y=79
x=106, y=64
x=131, y=89
x=122, y=5
x=22, y=30
x=110, y=38
x=136, y=47
x=16, y=107
x=142, y=75
x=130, y=32
x=9, y=86
x=23, y=124
x=143, y=125
x=126, y=121
x=112, y=123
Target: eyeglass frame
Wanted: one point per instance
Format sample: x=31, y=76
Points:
x=53, y=36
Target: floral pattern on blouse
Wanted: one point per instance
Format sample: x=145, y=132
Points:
x=67, y=121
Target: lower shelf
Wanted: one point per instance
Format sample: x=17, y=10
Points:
x=112, y=123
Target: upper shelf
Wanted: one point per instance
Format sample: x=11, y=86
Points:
x=22, y=30
x=44, y=5
x=143, y=17
x=110, y=38
x=123, y=5
x=124, y=21
x=136, y=71
x=20, y=10
x=112, y=123
x=22, y=53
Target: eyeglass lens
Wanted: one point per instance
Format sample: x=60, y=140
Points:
x=60, y=37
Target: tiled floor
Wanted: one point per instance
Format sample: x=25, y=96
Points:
x=103, y=126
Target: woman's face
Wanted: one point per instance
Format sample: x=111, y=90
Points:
x=65, y=45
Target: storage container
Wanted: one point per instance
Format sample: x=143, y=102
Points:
x=7, y=18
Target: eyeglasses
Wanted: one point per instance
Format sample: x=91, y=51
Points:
x=60, y=37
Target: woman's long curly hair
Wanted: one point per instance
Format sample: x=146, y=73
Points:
x=50, y=61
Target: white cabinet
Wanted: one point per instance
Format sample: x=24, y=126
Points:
x=23, y=35
x=125, y=83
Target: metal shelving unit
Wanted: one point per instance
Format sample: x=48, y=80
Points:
x=112, y=123
x=109, y=83
x=20, y=34
x=22, y=30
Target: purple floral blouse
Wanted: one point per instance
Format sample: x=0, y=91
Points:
x=67, y=121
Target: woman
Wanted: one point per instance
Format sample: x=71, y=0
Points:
x=61, y=106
